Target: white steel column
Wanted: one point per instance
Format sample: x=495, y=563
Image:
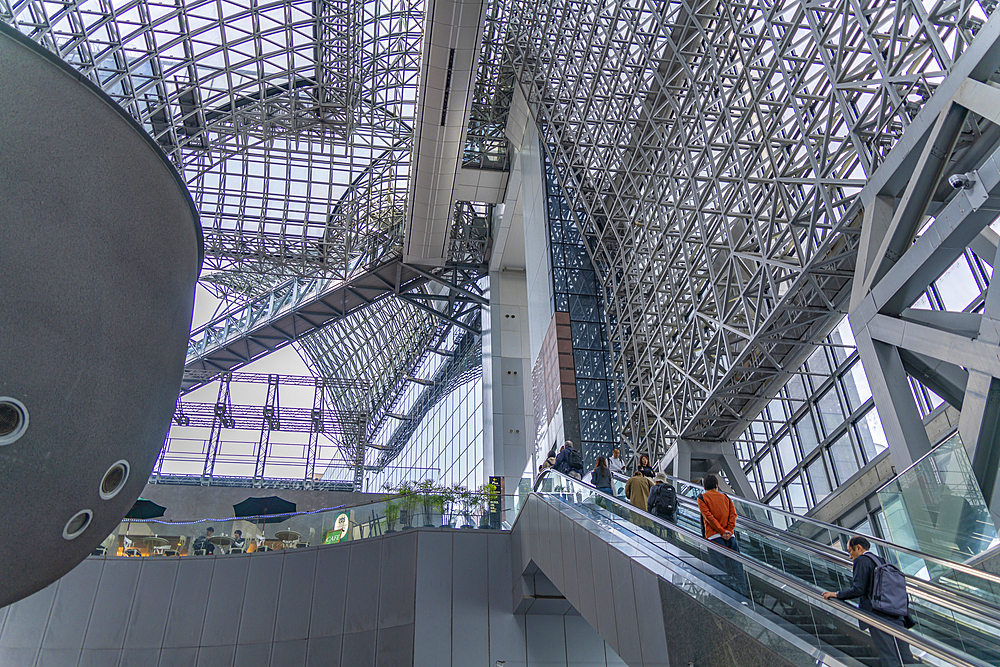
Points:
x=519, y=312
x=506, y=378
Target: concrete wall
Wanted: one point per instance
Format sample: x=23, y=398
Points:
x=649, y=616
x=426, y=597
x=185, y=503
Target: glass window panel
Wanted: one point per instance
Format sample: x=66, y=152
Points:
x=820, y=481
x=841, y=336
x=595, y=425
x=830, y=412
x=576, y=257
x=807, y=433
x=819, y=366
x=796, y=388
x=768, y=475
x=883, y=527
x=871, y=435
x=956, y=286
x=557, y=255
x=559, y=279
x=752, y=476
x=856, y=386
x=923, y=303
x=742, y=450
x=584, y=308
x=580, y=281
x=589, y=364
x=865, y=528
x=586, y=336
x=786, y=454
x=777, y=502
x=935, y=400
x=592, y=394
x=797, y=495
x=843, y=457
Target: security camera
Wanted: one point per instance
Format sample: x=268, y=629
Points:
x=961, y=181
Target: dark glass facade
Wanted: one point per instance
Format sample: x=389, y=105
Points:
x=576, y=291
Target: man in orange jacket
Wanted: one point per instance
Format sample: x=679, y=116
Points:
x=718, y=516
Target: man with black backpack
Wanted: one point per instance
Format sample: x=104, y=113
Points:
x=570, y=461
x=881, y=588
x=662, y=501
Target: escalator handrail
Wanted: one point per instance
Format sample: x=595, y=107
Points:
x=935, y=593
x=931, y=646
x=959, y=567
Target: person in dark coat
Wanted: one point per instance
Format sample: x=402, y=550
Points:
x=601, y=477
x=662, y=494
x=565, y=462
x=645, y=468
x=891, y=651
x=202, y=544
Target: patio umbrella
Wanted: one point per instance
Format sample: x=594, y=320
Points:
x=145, y=509
x=257, y=508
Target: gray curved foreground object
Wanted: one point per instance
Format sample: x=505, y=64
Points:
x=100, y=250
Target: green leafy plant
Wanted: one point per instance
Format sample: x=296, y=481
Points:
x=391, y=512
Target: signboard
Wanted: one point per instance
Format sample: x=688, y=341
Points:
x=341, y=531
x=494, y=505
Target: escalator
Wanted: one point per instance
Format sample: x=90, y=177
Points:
x=982, y=586
x=777, y=581
x=968, y=595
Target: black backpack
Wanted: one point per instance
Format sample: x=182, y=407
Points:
x=665, y=503
x=888, y=588
x=574, y=461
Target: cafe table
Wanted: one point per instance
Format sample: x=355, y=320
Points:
x=221, y=541
x=287, y=537
x=156, y=544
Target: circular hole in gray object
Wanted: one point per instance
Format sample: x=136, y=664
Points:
x=13, y=419
x=114, y=479
x=77, y=524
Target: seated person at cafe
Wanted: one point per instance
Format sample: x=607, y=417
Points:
x=239, y=542
x=201, y=543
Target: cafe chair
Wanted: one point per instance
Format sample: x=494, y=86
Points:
x=99, y=551
x=133, y=553
x=170, y=552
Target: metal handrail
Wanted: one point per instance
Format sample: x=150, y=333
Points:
x=929, y=590
x=959, y=567
x=931, y=646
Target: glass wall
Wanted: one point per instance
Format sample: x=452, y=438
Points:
x=576, y=291
x=819, y=431
x=822, y=428
x=936, y=506
x=447, y=446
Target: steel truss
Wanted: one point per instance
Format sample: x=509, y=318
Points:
x=931, y=204
x=291, y=123
x=714, y=152
x=225, y=415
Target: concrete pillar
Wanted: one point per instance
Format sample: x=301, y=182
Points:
x=507, y=410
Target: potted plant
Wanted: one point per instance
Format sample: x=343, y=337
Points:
x=464, y=500
x=486, y=493
x=408, y=501
x=432, y=503
x=391, y=512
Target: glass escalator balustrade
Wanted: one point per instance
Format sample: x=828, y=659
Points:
x=772, y=568
x=955, y=577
